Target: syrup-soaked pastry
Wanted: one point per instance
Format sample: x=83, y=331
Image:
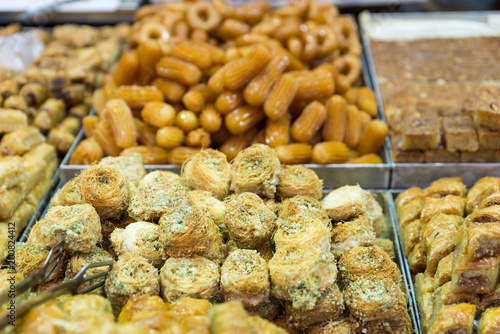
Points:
x=490, y=322
x=410, y=236
x=483, y=240
x=450, y=205
x=443, y=272
x=491, y=299
x=440, y=236
x=345, y=203
x=445, y=186
x=487, y=215
x=456, y=318
x=410, y=211
x=473, y=276
x=481, y=189
x=444, y=296
x=424, y=295
x=417, y=260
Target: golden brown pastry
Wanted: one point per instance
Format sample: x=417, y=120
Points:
x=212, y=206
x=328, y=307
x=410, y=211
x=208, y=170
x=424, y=295
x=158, y=192
x=473, y=276
x=445, y=186
x=69, y=194
x=303, y=231
x=195, y=277
x=492, y=200
x=106, y=189
x=141, y=304
x=333, y=327
x=481, y=189
x=9, y=200
x=490, y=321
x=407, y=196
x=410, y=235
x=256, y=169
x=295, y=180
x=439, y=237
x=302, y=206
x=487, y=215
x=417, y=260
x=373, y=213
x=449, y=204
x=443, y=272
x=131, y=276
x=249, y=221
x=78, y=224
x=229, y=318
x=131, y=167
x=482, y=239
x=345, y=203
x=12, y=171
x=386, y=245
x=369, y=263
x=444, y=296
x=245, y=278
x=263, y=326
x=300, y=274
x=186, y=230
x=490, y=299
x=141, y=238
x=79, y=260
x=357, y=232
x=375, y=299
x=457, y=318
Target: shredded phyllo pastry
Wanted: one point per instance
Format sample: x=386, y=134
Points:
x=195, y=257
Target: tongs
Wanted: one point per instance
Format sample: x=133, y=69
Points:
x=72, y=286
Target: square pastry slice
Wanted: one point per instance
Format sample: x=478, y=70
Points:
x=460, y=133
x=490, y=321
x=443, y=272
x=487, y=113
x=483, y=240
x=421, y=134
x=450, y=205
x=445, y=186
x=473, y=276
x=483, y=188
x=457, y=318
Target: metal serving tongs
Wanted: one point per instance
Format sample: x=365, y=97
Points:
x=72, y=286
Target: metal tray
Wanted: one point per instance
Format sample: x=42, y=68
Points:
x=405, y=267
x=385, y=199
x=405, y=175
x=370, y=176
x=40, y=210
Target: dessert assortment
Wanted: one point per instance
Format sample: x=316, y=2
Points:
x=207, y=74
x=257, y=236
x=245, y=238
x=451, y=238
x=441, y=107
